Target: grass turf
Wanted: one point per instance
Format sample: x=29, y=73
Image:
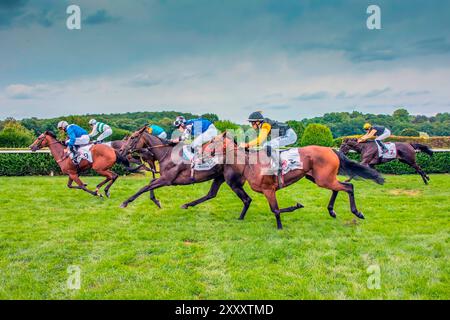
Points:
x=206, y=253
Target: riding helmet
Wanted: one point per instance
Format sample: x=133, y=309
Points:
x=180, y=120
x=92, y=122
x=367, y=126
x=62, y=124
x=255, y=116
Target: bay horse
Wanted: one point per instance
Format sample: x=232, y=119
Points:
x=406, y=153
x=321, y=165
x=176, y=172
x=104, y=157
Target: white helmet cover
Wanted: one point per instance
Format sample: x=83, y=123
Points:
x=62, y=124
x=92, y=122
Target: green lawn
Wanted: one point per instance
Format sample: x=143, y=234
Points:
x=206, y=253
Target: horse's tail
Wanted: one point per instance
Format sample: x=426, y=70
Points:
x=423, y=148
x=120, y=159
x=351, y=168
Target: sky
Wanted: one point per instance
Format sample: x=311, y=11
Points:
x=291, y=59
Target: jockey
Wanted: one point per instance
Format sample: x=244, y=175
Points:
x=378, y=133
x=99, y=128
x=77, y=137
x=265, y=127
x=157, y=131
x=202, y=130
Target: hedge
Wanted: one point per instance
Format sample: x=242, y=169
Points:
x=432, y=142
x=25, y=164
x=438, y=163
x=29, y=164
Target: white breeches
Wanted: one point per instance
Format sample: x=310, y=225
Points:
x=105, y=134
x=386, y=134
x=289, y=138
x=204, y=137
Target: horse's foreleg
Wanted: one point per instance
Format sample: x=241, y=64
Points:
x=152, y=194
x=272, y=199
x=81, y=185
x=293, y=208
x=156, y=183
x=215, y=186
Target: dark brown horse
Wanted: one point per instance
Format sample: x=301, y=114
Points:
x=406, y=153
x=174, y=171
x=321, y=165
x=129, y=159
x=104, y=157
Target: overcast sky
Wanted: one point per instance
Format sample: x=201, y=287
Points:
x=289, y=58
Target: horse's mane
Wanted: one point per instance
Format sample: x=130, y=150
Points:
x=50, y=133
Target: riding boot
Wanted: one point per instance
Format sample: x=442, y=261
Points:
x=74, y=153
x=382, y=145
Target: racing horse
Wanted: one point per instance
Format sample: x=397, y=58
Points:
x=320, y=165
x=406, y=153
x=174, y=171
x=104, y=157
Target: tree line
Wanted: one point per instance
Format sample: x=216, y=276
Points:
x=21, y=133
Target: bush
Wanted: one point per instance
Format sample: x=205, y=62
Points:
x=14, y=135
x=409, y=132
x=299, y=129
x=317, y=134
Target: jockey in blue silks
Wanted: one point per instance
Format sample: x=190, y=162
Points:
x=202, y=130
x=77, y=137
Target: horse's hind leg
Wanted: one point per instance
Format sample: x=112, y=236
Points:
x=350, y=189
x=331, y=204
x=418, y=169
x=337, y=186
x=272, y=199
x=113, y=179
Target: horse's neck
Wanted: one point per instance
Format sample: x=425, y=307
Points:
x=159, y=152
x=56, y=149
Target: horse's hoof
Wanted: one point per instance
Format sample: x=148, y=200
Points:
x=333, y=214
x=360, y=215
x=107, y=194
x=123, y=205
x=299, y=205
x=184, y=206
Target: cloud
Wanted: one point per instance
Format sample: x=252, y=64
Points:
x=313, y=96
x=376, y=92
x=100, y=17
x=22, y=91
x=144, y=80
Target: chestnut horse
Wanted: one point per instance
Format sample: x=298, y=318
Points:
x=321, y=165
x=406, y=153
x=104, y=157
x=176, y=172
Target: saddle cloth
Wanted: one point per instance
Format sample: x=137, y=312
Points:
x=199, y=164
x=390, y=154
x=290, y=160
x=84, y=152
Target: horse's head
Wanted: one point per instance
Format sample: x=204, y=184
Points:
x=133, y=142
x=348, y=144
x=44, y=140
